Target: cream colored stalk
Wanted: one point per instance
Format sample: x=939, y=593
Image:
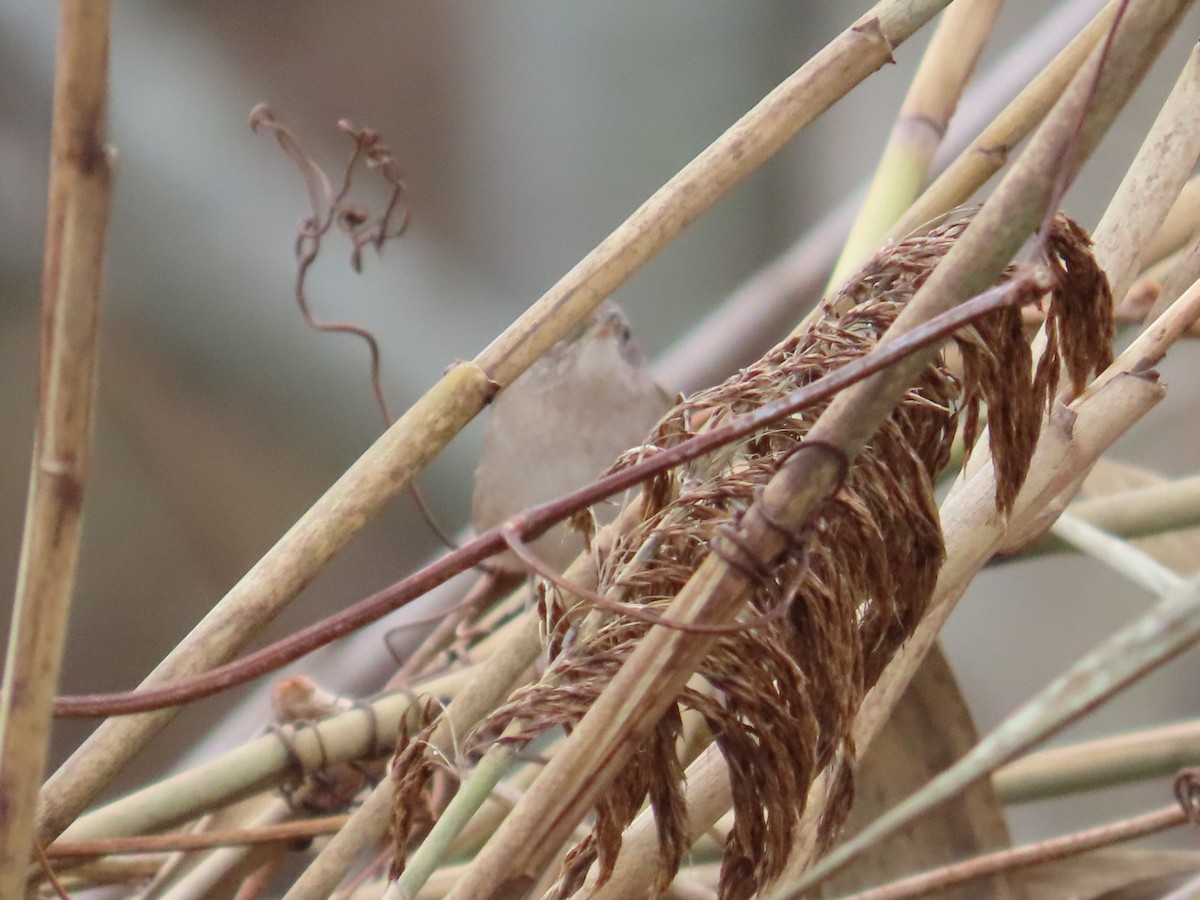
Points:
x=1093, y=765
x=72, y=284
x=990, y=151
x=945, y=68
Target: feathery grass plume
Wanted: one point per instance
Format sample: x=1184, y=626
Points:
x=413, y=766
x=779, y=699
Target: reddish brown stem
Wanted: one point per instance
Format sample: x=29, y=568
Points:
x=1021, y=289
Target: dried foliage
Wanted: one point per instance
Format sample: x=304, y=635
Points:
x=413, y=767
x=779, y=699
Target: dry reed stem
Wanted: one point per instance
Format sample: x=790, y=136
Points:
x=420, y=434
x=1152, y=184
x=1139, y=512
x=946, y=877
x=219, y=870
x=770, y=301
x=1181, y=275
x=932, y=97
x=72, y=284
x=1132, y=563
x=990, y=151
x=206, y=840
x=1180, y=226
x=1094, y=765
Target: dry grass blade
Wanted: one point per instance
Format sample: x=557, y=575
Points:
x=72, y=283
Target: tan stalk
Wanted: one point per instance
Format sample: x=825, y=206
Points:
x=1135, y=513
x=1180, y=226
x=420, y=434
x=945, y=68
x=1183, y=272
x=769, y=302
x=1094, y=765
x=990, y=151
x=72, y=283
x=1119, y=556
x=1153, y=182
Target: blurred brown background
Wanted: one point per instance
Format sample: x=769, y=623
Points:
x=527, y=131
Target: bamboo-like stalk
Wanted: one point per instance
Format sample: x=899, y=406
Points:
x=1152, y=185
x=945, y=68
x=769, y=302
x=1180, y=226
x=420, y=434
x=1184, y=271
x=72, y=284
x=990, y=151
x=1093, y=765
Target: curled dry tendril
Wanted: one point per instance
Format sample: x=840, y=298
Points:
x=329, y=209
